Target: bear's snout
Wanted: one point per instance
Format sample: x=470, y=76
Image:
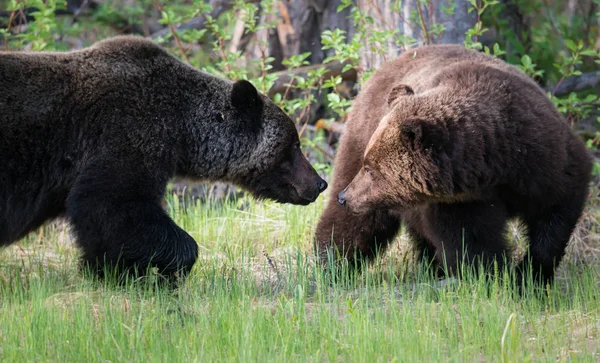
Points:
x=321, y=185
x=355, y=197
x=312, y=193
x=305, y=179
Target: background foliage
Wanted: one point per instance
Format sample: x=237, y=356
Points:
x=311, y=56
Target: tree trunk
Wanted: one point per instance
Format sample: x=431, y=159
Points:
x=415, y=20
x=301, y=23
x=298, y=30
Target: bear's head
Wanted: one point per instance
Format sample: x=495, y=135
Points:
x=274, y=167
x=406, y=160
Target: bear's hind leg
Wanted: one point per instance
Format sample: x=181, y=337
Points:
x=549, y=234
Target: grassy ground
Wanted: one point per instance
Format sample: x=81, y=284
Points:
x=256, y=295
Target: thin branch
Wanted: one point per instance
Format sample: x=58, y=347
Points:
x=175, y=36
x=84, y=5
x=287, y=77
x=552, y=22
x=12, y=17
x=423, y=25
x=575, y=84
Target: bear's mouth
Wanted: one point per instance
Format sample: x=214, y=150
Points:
x=305, y=195
x=286, y=193
x=296, y=197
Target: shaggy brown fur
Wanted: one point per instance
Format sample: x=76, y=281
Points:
x=453, y=143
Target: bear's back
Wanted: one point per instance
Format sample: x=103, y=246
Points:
x=41, y=86
x=470, y=74
x=425, y=67
x=55, y=103
x=422, y=69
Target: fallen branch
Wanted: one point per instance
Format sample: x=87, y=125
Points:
x=575, y=84
x=333, y=69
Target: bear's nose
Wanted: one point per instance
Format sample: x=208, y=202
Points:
x=322, y=185
x=341, y=198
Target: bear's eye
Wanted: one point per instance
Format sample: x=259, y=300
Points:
x=297, y=144
x=367, y=170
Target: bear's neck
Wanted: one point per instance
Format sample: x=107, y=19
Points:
x=212, y=148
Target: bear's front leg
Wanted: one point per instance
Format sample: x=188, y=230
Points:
x=341, y=233
x=121, y=227
x=473, y=233
x=132, y=238
x=354, y=237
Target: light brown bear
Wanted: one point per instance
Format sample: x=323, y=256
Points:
x=453, y=143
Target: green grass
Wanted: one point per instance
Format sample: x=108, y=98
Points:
x=256, y=295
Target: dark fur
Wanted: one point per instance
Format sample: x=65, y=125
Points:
x=96, y=134
x=453, y=143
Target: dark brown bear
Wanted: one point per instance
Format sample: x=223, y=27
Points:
x=95, y=135
x=453, y=143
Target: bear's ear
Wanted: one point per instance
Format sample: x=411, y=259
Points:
x=399, y=90
x=419, y=135
x=245, y=97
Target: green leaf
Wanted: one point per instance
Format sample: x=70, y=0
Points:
x=596, y=168
x=589, y=52
x=571, y=45
x=333, y=98
x=526, y=61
